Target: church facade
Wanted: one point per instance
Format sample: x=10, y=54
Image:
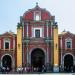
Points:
x=37, y=43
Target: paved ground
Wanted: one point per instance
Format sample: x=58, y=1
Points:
x=51, y=74
x=39, y=73
x=47, y=74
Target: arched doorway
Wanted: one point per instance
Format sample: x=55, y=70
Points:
x=37, y=58
x=7, y=62
x=68, y=63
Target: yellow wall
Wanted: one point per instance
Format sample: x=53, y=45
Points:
x=19, y=47
x=56, y=52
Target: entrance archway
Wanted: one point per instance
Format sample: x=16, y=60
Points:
x=37, y=58
x=7, y=62
x=68, y=63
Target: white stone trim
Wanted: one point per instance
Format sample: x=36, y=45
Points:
x=27, y=29
x=68, y=40
x=61, y=48
x=37, y=17
x=39, y=13
x=51, y=28
x=43, y=31
x=35, y=28
x=47, y=30
x=47, y=53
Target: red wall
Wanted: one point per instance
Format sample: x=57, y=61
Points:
x=29, y=15
x=11, y=41
x=65, y=36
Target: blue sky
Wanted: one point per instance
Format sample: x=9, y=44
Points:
x=11, y=10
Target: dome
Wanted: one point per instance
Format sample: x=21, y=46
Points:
x=44, y=14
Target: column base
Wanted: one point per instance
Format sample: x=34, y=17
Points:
x=56, y=69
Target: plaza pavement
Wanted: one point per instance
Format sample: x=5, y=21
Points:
x=43, y=74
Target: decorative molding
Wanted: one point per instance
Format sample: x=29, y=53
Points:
x=35, y=28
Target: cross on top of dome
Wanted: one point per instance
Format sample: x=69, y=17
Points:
x=37, y=4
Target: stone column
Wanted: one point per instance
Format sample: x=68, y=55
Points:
x=23, y=44
x=14, y=43
x=13, y=63
x=47, y=29
x=56, y=49
x=19, y=45
x=47, y=53
x=27, y=53
x=27, y=46
x=27, y=29
x=51, y=22
x=61, y=52
x=74, y=61
x=47, y=42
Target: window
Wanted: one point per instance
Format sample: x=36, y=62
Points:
x=68, y=43
x=37, y=33
x=37, y=17
x=6, y=44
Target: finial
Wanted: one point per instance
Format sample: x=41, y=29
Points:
x=36, y=3
x=64, y=30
